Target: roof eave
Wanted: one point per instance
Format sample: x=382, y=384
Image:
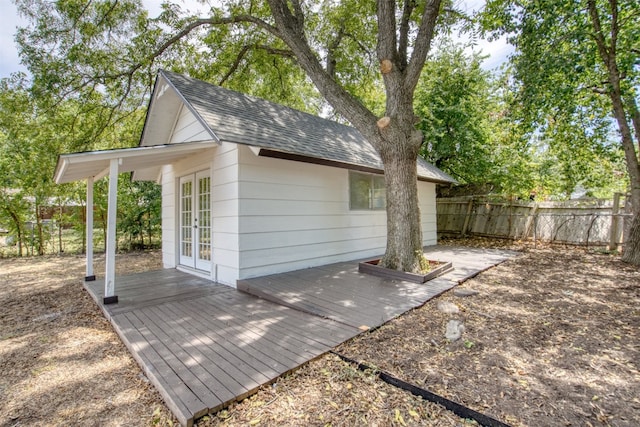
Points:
x=187, y=104
x=266, y=152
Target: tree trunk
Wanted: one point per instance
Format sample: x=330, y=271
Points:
x=84, y=231
x=16, y=220
x=635, y=117
x=103, y=223
x=608, y=55
x=398, y=143
x=404, y=231
x=631, y=252
x=39, y=230
x=60, y=219
x=149, y=230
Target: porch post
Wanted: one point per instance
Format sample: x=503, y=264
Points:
x=89, y=276
x=110, y=296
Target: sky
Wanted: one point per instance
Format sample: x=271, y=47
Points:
x=10, y=62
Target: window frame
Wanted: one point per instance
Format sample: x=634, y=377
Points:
x=376, y=191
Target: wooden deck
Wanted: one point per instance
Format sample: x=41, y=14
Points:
x=341, y=293
x=204, y=345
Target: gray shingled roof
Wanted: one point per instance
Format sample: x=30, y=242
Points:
x=243, y=119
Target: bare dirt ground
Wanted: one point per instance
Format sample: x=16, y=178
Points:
x=61, y=362
x=551, y=339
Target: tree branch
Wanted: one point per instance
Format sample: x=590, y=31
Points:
x=297, y=10
x=235, y=65
x=213, y=21
x=107, y=14
x=331, y=61
x=405, y=26
x=614, y=26
x=387, y=30
x=422, y=45
x=598, y=35
x=243, y=52
x=341, y=100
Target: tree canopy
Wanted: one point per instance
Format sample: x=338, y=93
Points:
x=111, y=48
x=577, y=66
x=543, y=125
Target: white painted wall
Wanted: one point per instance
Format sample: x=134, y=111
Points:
x=223, y=166
x=427, y=202
x=273, y=215
x=187, y=128
x=169, y=217
x=224, y=199
x=296, y=215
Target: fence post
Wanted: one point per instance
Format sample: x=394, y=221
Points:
x=532, y=215
x=467, y=218
x=613, y=233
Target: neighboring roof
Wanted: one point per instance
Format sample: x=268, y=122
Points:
x=238, y=118
x=76, y=166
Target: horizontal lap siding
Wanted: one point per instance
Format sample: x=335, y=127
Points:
x=168, y=217
x=188, y=128
x=224, y=197
x=427, y=200
x=295, y=215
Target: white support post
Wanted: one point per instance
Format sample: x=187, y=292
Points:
x=89, y=276
x=110, y=296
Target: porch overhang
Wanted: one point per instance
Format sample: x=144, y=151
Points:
x=144, y=162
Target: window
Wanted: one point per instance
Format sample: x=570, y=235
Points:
x=366, y=191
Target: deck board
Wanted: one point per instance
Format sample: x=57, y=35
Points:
x=290, y=348
x=207, y=335
x=339, y=292
x=221, y=379
x=204, y=345
x=238, y=343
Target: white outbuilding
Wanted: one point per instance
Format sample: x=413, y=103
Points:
x=249, y=187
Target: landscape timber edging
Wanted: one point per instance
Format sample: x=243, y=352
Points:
x=372, y=267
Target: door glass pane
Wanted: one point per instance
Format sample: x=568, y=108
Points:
x=186, y=230
x=204, y=218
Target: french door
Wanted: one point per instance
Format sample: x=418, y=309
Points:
x=195, y=221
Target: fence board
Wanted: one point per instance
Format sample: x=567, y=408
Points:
x=579, y=222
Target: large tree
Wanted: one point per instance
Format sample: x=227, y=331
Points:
x=574, y=61
x=342, y=47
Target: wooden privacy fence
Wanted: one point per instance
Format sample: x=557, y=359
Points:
x=579, y=222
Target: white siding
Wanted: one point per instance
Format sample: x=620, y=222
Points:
x=188, y=128
x=427, y=201
x=224, y=195
x=168, y=217
x=222, y=163
x=272, y=215
x=296, y=215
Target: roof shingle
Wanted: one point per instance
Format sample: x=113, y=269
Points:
x=239, y=118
